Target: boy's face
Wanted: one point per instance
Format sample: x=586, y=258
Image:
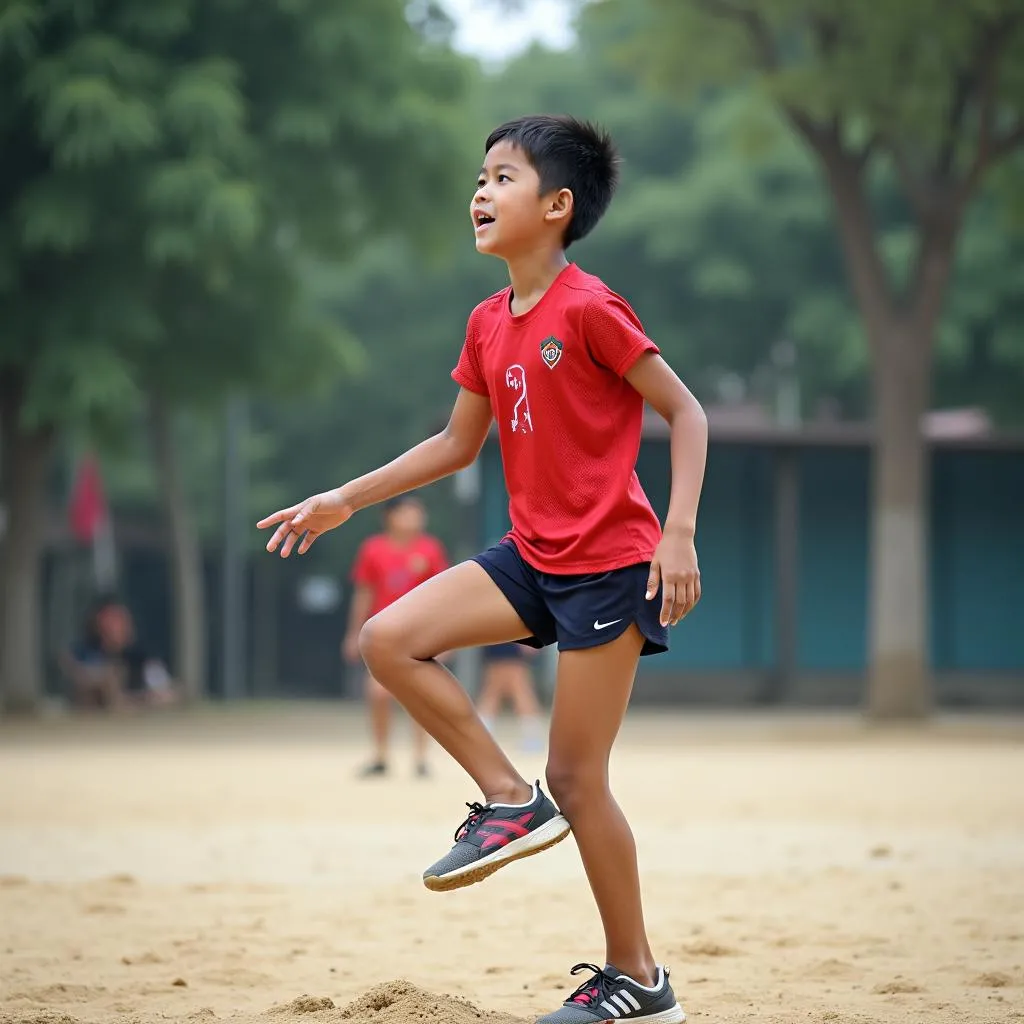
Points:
x=509, y=214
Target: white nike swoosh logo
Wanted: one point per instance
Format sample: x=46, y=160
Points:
x=605, y=625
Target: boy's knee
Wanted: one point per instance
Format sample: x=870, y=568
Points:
x=379, y=640
x=569, y=783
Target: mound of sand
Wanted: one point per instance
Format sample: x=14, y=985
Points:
x=394, y=1002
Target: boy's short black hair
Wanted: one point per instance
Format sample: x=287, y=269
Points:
x=567, y=153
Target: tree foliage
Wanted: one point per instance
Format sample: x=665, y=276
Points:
x=171, y=169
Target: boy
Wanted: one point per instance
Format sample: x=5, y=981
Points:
x=563, y=366
x=387, y=566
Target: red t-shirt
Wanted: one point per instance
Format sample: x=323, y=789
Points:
x=568, y=422
x=391, y=570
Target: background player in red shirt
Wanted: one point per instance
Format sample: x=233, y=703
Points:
x=507, y=676
x=387, y=566
x=562, y=365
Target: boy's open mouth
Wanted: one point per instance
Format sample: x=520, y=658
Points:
x=480, y=218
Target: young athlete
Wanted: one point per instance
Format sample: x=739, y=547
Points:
x=507, y=676
x=563, y=366
x=387, y=566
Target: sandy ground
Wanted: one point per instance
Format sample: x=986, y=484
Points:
x=227, y=865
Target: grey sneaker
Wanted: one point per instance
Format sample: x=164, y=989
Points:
x=609, y=996
x=495, y=835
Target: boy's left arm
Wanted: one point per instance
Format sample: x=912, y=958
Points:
x=675, y=561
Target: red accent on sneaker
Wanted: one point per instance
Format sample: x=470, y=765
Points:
x=509, y=830
x=586, y=998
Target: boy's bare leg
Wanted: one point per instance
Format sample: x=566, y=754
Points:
x=461, y=607
x=577, y=776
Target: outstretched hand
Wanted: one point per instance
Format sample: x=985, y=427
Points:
x=674, y=567
x=303, y=523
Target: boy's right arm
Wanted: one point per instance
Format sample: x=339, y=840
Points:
x=439, y=456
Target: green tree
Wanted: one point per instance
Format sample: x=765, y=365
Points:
x=170, y=170
x=934, y=92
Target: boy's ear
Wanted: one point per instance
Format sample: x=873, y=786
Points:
x=560, y=206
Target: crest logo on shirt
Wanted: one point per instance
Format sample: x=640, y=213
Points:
x=551, y=352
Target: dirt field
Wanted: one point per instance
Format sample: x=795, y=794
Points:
x=228, y=866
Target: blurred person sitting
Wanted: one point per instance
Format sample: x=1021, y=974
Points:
x=108, y=669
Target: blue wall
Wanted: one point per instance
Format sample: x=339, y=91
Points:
x=978, y=561
x=833, y=560
x=977, y=558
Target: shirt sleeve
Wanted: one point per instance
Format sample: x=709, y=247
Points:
x=468, y=372
x=614, y=334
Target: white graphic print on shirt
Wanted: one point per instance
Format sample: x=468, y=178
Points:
x=515, y=378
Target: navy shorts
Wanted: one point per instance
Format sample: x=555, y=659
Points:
x=504, y=652
x=578, y=611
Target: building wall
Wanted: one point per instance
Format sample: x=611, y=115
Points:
x=725, y=652
x=978, y=558
x=833, y=560
x=976, y=585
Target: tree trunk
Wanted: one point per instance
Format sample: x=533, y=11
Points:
x=901, y=335
x=25, y=462
x=186, y=560
x=899, y=685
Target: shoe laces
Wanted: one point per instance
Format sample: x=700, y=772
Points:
x=477, y=813
x=595, y=989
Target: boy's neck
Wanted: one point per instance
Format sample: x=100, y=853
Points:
x=532, y=275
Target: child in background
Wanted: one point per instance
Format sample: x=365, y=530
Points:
x=388, y=565
x=507, y=676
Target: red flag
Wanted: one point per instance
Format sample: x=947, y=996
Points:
x=88, y=507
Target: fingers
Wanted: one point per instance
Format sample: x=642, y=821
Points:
x=287, y=533
x=290, y=541
x=668, y=603
x=684, y=601
x=291, y=529
x=678, y=599
x=279, y=535
x=653, y=579
x=687, y=596
x=278, y=517
x=692, y=593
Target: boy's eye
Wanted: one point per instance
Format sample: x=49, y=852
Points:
x=480, y=182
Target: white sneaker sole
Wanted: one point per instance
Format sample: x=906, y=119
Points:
x=537, y=841
x=673, y=1015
